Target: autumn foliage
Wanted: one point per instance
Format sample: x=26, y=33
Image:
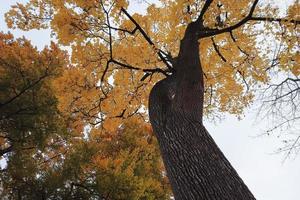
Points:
x=234, y=62
x=28, y=104
x=78, y=125
x=48, y=156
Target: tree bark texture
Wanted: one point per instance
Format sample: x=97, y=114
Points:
x=196, y=167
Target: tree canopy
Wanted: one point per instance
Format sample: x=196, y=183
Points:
x=27, y=102
x=47, y=156
x=113, y=50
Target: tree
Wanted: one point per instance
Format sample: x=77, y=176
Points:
x=113, y=50
x=28, y=114
x=31, y=127
x=125, y=164
x=46, y=158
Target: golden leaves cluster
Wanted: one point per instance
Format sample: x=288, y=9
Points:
x=229, y=84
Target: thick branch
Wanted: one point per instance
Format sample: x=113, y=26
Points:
x=147, y=38
x=210, y=32
x=204, y=9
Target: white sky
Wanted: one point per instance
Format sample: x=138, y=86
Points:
x=264, y=173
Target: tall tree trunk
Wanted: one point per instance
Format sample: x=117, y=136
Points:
x=196, y=167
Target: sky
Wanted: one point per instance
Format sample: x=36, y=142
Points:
x=265, y=173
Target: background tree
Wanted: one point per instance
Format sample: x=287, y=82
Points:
x=27, y=102
x=46, y=158
x=125, y=164
x=233, y=60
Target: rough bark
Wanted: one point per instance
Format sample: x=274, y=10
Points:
x=196, y=167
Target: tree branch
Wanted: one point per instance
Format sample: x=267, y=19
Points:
x=210, y=32
x=148, y=71
x=24, y=90
x=234, y=40
x=224, y=60
x=204, y=9
x=271, y=19
x=123, y=30
x=147, y=38
x=217, y=50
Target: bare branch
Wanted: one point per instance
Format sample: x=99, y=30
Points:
x=281, y=102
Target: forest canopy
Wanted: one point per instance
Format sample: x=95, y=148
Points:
x=54, y=106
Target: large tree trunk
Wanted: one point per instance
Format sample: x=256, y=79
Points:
x=196, y=167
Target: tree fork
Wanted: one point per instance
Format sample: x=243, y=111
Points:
x=196, y=167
